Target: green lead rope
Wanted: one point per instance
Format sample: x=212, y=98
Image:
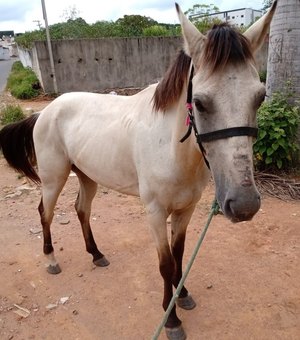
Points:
x=214, y=211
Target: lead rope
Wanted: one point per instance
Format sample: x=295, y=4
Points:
x=214, y=211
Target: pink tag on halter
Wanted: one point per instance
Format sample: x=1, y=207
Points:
x=188, y=120
x=189, y=106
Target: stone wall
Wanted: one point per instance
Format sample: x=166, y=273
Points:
x=98, y=64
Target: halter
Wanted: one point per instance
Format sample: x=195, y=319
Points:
x=214, y=135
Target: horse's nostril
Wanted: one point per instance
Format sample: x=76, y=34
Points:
x=227, y=206
x=241, y=210
x=227, y=209
x=231, y=211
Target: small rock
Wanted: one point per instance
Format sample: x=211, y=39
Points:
x=16, y=194
x=63, y=300
x=35, y=230
x=35, y=307
x=209, y=286
x=75, y=312
x=32, y=284
x=64, y=221
x=80, y=275
x=51, y=306
x=25, y=187
x=21, y=311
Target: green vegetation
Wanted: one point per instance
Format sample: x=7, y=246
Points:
x=128, y=26
x=202, y=10
x=11, y=114
x=263, y=76
x=22, y=82
x=278, y=122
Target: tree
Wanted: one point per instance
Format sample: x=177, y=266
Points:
x=133, y=25
x=284, y=51
x=70, y=13
x=199, y=14
x=267, y=4
x=200, y=10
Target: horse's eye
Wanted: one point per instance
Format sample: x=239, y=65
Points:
x=199, y=105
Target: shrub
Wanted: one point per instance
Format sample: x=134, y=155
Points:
x=278, y=123
x=22, y=82
x=11, y=114
x=155, y=30
x=263, y=76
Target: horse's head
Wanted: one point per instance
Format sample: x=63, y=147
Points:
x=226, y=94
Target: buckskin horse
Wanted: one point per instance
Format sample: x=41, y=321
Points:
x=132, y=145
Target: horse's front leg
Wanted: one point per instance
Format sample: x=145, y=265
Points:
x=179, y=222
x=157, y=218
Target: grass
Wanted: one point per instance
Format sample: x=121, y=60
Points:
x=11, y=114
x=22, y=82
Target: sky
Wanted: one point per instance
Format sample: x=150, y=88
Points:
x=22, y=15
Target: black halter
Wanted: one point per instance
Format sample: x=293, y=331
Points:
x=214, y=135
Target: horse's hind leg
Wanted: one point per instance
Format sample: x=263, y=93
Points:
x=52, y=184
x=87, y=192
x=179, y=223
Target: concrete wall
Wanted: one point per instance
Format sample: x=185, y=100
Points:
x=99, y=64
x=25, y=57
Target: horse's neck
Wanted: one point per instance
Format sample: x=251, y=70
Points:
x=186, y=153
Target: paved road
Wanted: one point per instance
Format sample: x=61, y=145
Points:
x=5, y=67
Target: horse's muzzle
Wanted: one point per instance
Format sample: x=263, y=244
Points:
x=241, y=205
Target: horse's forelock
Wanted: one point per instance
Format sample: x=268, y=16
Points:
x=225, y=45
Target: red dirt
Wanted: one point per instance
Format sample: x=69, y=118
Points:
x=246, y=278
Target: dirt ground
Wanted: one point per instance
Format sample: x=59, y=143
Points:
x=245, y=280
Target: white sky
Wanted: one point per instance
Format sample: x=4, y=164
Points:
x=19, y=15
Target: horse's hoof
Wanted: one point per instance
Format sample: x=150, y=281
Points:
x=53, y=269
x=177, y=333
x=186, y=302
x=102, y=262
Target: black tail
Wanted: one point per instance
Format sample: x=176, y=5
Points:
x=16, y=142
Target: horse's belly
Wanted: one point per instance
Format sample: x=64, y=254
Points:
x=111, y=171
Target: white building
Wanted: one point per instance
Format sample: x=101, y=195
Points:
x=238, y=17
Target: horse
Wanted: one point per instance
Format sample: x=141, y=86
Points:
x=132, y=145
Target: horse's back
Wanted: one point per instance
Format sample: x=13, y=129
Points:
x=94, y=132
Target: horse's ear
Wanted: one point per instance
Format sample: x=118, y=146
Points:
x=257, y=32
x=193, y=39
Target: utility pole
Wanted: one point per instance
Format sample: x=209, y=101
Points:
x=38, y=23
x=49, y=47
